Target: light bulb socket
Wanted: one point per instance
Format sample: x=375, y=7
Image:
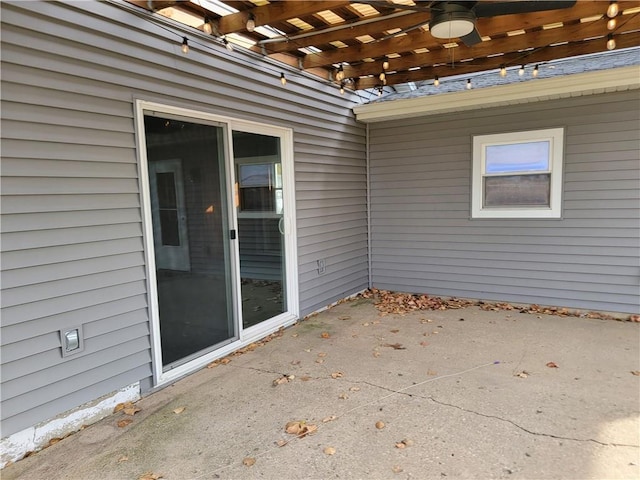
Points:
x=207, y=27
x=227, y=43
x=251, y=23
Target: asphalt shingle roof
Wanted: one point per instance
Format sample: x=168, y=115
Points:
x=566, y=66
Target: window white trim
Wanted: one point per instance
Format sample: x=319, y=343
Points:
x=555, y=137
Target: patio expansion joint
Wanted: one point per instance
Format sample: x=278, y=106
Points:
x=530, y=432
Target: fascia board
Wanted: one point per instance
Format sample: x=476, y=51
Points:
x=618, y=79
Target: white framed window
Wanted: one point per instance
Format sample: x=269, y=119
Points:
x=518, y=174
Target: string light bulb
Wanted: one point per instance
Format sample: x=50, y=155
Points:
x=382, y=76
x=251, y=23
x=380, y=91
x=207, y=27
x=503, y=71
x=227, y=43
x=385, y=63
x=521, y=71
x=611, y=24
x=469, y=86
x=535, y=71
x=436, y=81
x=611, y=42
x=340, y=74
x=185, y=45
x=613, y=9
x=283, y=79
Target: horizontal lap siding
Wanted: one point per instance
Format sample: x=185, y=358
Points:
x=424, y=241
x=72, y=247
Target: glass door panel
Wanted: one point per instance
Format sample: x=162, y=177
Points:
x=191, y=236
x=260, y=211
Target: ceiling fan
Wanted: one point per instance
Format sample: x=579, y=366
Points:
x=457, y=19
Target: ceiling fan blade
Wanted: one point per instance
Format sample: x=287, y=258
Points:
x=471, y=38
x=494, y=9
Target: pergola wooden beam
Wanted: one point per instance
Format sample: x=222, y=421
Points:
x=321, y=37
x=537, y=56
x=274, y=12
x=536, y=39
x=495, y=26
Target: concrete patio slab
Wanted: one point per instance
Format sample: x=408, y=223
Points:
x=462, y=393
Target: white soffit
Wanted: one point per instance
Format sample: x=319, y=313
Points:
x=578, y=84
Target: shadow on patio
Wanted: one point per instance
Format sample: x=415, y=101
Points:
x=458, y=393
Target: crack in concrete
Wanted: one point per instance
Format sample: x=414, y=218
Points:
x=530, y=432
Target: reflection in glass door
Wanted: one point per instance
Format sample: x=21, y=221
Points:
x=260, y=211
x=186, y=166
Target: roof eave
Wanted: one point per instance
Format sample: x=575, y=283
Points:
x=588, y=83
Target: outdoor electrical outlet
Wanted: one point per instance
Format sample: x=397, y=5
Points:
x=321, y=266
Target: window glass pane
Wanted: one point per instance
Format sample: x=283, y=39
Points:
x=517, y=157
x=517, y=190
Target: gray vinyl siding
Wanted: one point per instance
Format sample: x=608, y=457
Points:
x=72, y=246
x=423, y=239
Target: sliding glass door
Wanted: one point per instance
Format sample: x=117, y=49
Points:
x=219, y=231
x=186, y=168
x=260, y=212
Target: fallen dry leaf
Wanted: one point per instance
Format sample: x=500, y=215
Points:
x=552, y=365
x=281, y=443
x=343, y=396
x=380, y=424
x=305, y=378
x=396, y=469
x=431, y=372
x=224, y=361
x=295, y=362
x=400, y=445
x=178, y=410
x=395, y=346
x=322, y=354
x=426, y=320
x=395, y=330
x=294, y=335
x=336, y=375
x=150, y=476
x=330, y=418
x=280, y=381
x=344, y=317
x=354, y=389
x=635, y=372
x=130, y=409
x=249, y=461
x=408, y=442
x=53, y=441
x=123, y=458
x=325, y=335
x=300, y=428
x=376, y=354
x=320, y=360
x=124, y=422
x=329, y=450
x=118, y=407
x=634, y=318
x=213, y=364
x=424, y=344
x=522, y=374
